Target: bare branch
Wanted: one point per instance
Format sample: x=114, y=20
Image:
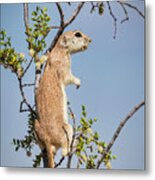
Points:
x=114, y=19
x=28, y=66
x=61, y=13
x=54, y=27
x=125, y=12
x=67, y=137
x=28, y=85
x=76, y=12
x=26, y=16
x=59, y=163
x=93, y=7
x=60, y=30
x=21, y=107
x=118, y=130
x=135, y=8
x=73, y=138
x=24, y=100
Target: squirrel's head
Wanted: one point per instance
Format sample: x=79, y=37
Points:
x=74, y=41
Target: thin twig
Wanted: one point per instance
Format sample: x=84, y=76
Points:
x=125, y=12
x=61, y=13
x=21, y=107
x=28, y=85
x=73, y=118
x=73, y=138
x=60, y=30
x=67, y=137
x=60, y=162
x=54, y=27
x=28, y=66
x=26, y=15
x=26, y=21
x=93, y=7
x=135, y=8
x=118, y=130
x=74, y=15
x=24, y=100
x=114, y=19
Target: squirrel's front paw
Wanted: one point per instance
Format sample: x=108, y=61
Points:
x=77, y=83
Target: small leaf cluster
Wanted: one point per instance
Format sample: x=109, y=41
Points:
x=9, y=58
x=37, y=160
x=29, y=140
x=37, y=33
x=89, y=147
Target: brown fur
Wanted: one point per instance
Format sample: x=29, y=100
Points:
x=52, y=128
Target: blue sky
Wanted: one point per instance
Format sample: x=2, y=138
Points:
x=112, y=81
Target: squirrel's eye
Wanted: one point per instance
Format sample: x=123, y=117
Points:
x=78, y=34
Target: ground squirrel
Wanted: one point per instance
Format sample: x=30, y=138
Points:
x=52, y=128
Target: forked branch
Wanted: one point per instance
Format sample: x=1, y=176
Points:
x=125, y=12
x=74, y=15
x=135, y=8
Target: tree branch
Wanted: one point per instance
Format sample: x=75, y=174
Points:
x=61, y=13
x=135, y=8
x=28, y=84
x=118, y=130
x=21, y=107
x=24, y=100
x=114, y=19
x=73, y=138
x=26, y=16
x=59, y=163
x=93, y=7
x=125, y=12
x=74, y=15
x=28, y=66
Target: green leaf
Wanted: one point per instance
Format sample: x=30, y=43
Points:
x=84, y=114
x=90, y=121
x=14, y=141
x=82, y=121
x=114, y=156
x=37, y=8
x=17, y=148
x=18, y=142
x=45, y=9
x=83, y=108
x=96, y=135
x=33, y=19
x=34, y=13
x=48, y=18
x=80, y=161
x=95, y=119
x=101, y=8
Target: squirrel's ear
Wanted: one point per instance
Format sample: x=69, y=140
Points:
x=64, y=42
